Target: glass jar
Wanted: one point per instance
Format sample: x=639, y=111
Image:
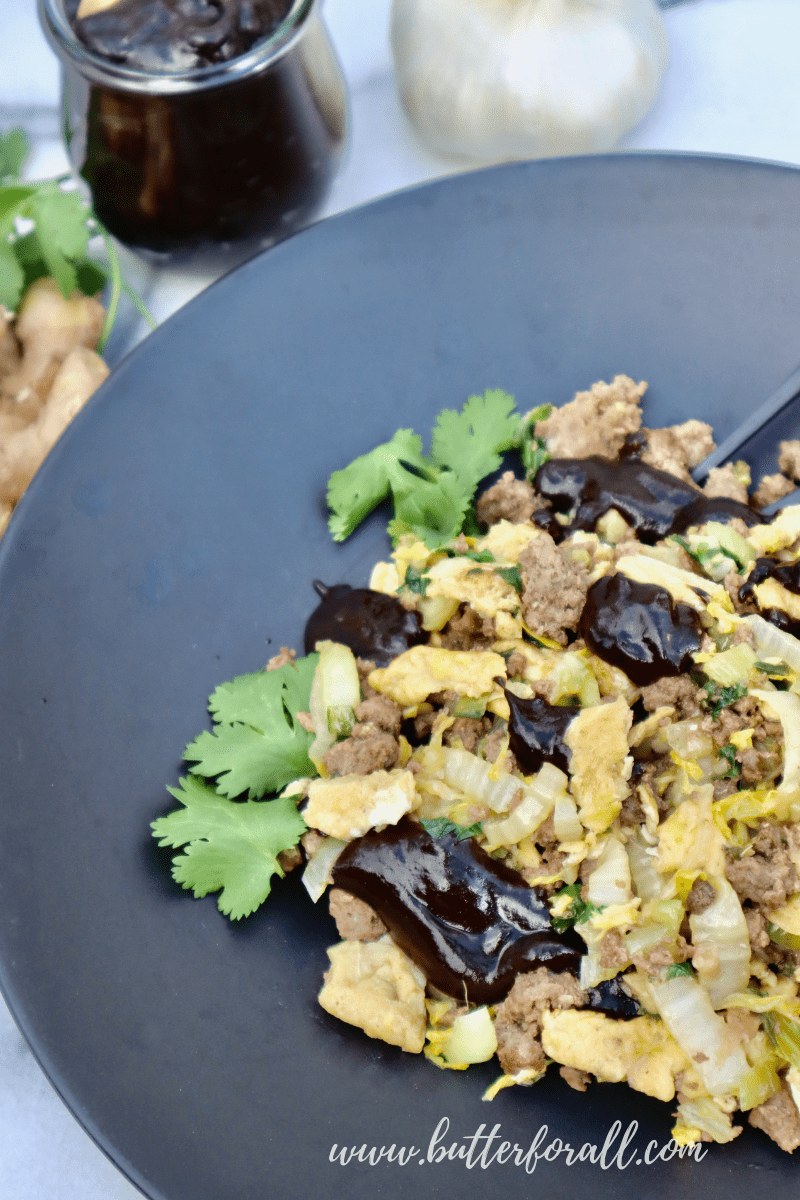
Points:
x=209, y=165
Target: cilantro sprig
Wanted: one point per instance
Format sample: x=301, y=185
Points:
x=230, y=835
x=45, y=229
x=439, y=826
x=230, y=848
x=717, y=697
x=431, y=493
x=580, y=910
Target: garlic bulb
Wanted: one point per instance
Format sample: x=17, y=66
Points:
x=497, y=79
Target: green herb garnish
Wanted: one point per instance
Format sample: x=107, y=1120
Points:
x=721, y=697
x=62, y=225
x=230, y=847
x=580, y=911
x=734, y=769
x=678, y=969
x=439, y=826
x=432, y=494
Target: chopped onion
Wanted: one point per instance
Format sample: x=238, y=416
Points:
x=685, y=1008
x=723, y=929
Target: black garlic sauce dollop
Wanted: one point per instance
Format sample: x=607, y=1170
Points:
x=469, y=922
x=375, y=626
x=639, y=628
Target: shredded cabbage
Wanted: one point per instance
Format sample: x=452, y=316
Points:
x=772, y=642
x=685, y=1008
x=317, y=874
x=785, y=707
x=707, y=1117
x=335, y=693
x=720, y=934
x=472, y=1038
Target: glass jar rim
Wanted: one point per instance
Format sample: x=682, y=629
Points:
x=93, y=66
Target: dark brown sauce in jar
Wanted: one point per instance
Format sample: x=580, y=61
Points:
x=208, y=143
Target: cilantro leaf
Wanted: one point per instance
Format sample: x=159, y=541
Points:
x=60, y=219
x=470, y=443
x=721, y=697
x=581, y=910
x=512, y=576
x=415, y=581
x=257, y=745
x=12, y=277
x=678, y=969
x=438, y=826
x=231, y=847
x=354, y=491
x=734, y=770
x=431, y=511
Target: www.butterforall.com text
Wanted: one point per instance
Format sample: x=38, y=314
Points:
x=485, y=1148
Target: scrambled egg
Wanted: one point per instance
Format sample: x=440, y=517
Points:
x=417, y=673
x=348, y=805
x=640, y=1051
x=601, y=765
x=375, y=986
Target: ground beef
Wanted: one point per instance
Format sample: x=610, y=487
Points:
x=289, y=859
x=779, y=1119
x=367, y=749
x=467, y=631
x=555, y=589
x=723, y=481
x=702, y=895
x=280, y=660
x=381, y=712
x=516, y=665
x=467, y=731
x=632, y=812
x=595, y=422
x=510, y=499
x=354, y=919
x=518, y=1019
x=613, y=954
x=772, y=488
x=311, y=841
x=756, y=928
x=767, y=877
x=789, y=459
x=678, y=691
x=678, y=448
x=577, y=1079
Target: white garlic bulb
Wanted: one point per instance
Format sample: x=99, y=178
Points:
x=498, y=79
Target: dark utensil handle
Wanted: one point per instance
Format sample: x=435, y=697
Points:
x=786, y=394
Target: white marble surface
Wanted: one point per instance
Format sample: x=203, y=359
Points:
x=732, y=87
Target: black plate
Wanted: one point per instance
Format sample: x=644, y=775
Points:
x=168, y=544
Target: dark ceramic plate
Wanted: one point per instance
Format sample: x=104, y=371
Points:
x=168, y=544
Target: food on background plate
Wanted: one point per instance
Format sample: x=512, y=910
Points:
x=546, y=767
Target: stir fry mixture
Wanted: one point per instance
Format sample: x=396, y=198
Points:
x=546, y=768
